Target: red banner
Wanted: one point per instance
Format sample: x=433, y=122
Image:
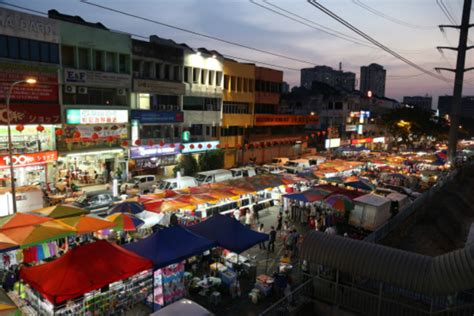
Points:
x=46, y=88
x=28, y=159
x=31, y=114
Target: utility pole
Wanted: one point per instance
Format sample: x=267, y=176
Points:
x=459, y=77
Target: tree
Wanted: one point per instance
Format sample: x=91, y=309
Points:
x=407, y=125
x=187, y=164
x=210, y=160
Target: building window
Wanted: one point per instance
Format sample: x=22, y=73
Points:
x=203, y=76
x=136, y=68
x=99, y=60
x=44, y=52
x=239, y=84
x=111, y=61
x=35, y=51
x=195, y=75
x=233, y=83
x=3, y=46
x=164, y=102
x=13, y=50
x=251, y=85
x=236, y=107
x=218, y=78
x=67, y=56
x=124, y=64
x=147, y=69
x=54, y=53
x=265, y=108
x=246, y=84
x=186, y=74
x=143, y=101
x=211, y=77
x=83, y=58
x=97, y=96
x=226, y=82
x=201, y=104
x=176, y=73
x=24, y=49
x=167, y=72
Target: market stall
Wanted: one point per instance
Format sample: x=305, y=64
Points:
x=95, y=278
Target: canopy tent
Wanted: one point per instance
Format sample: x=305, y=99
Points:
x=351, y=194
x=83, y=269
x=60, y=211
x=31, y=235
x=21, y=220
x=86, y=224
x=170, y=245
x=359, y=183
x=126, y=207
x=151, y=219
x=6, y=243
x=183, y=307
x=340, y=202
x=310, y=195
x=125, y=222
x=228, y=233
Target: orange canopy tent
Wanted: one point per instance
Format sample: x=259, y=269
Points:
x=21, y=220
x=60, y=211
x=36, y=234
x=86, y=224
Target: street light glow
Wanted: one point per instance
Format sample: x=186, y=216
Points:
x=31, y=81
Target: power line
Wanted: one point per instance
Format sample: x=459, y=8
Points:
x=215, y=38
x=388, y=17
x=147, y=38
x=372, y=40
x=446, y=12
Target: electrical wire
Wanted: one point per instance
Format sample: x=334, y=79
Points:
x=147, y=38
x=375, y=42
x=446, y=12
x=215, y=38
x=390, y=18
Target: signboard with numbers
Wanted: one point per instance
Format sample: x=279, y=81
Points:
x=29, y=159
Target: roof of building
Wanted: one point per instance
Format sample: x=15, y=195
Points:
x=441, y=275
x=54, y=14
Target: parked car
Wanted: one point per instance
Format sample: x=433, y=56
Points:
x=272, y=168
x=214, y=176
x=143, y=183
x=243, y=172
x=297, y=165
x=280, y=161
x=176, y=183
x=96, y=202
x=315, y=160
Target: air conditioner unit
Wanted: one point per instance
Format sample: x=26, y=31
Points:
x=122, y=92
x=70, y=89
x=82, y=90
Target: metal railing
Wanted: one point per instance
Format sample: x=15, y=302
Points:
x=292, y=302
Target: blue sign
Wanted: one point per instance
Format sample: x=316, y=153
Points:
x=156, y=117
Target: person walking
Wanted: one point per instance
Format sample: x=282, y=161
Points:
x=279, y=221
x=261, y=229
x=272, y=238
x=248, y=219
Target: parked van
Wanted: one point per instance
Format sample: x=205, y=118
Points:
x=177, y=183
x=280, y=161
x=243, y=172
x=297, y=165
x=315, y=160
x=143, y=183
x=97, y=202
x=213, y=176
x=272, y=168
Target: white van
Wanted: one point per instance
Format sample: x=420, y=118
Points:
x=213, y=176
x=272, y=168
x=280, y=161
x=176, y=183
x=315, y=160
x=297, y=165
x=143, y=183
x=243, y=172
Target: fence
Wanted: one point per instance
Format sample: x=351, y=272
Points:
x=293, y=302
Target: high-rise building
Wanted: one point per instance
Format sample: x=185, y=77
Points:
x=338, y=79
x=467, y=106
x=285, y=87
x=372, y=78
x=419, y=102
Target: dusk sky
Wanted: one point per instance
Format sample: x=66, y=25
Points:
x=244, y=22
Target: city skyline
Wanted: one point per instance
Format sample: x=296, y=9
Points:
x=255, y=26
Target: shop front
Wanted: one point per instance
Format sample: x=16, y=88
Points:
x=157, y=159
x=198, y=148
x=90, y=146
x=156, y=125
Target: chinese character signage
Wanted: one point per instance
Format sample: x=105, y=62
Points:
x=28, y=159
x=82, y=116
x=156, y=117
x=274, y=120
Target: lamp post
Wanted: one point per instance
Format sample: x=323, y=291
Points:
x=10, y=154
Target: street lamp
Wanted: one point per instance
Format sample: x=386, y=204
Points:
x=10, y=155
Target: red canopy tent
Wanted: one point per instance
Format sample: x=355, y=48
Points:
x=83, y=269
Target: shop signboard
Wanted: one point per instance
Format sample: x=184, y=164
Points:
x=85, y=116
x=93, y=133
x=158, y=87
x=361, y=141
x=29, y=159
x=351, y=128
x=156, y=117
x=275, y=119
x=31, y=114
x=44, y=91
x=96, y=78
x=19, y=24
x=156, y=150
x=332, y=142
x=378, y=140
x=199, y=147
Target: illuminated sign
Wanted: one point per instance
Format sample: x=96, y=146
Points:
x=332, y=142
x=200, y=146
x=82, y=116
x=153, y=151
x=379, y=140
x=361, y=141
x=275, y=120
x=351, y=128
x=186, y=136
x=29, y=159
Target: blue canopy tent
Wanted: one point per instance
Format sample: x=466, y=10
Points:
x=228, y=233
x=126, y=207
x=310, y=195
x=170, y=245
